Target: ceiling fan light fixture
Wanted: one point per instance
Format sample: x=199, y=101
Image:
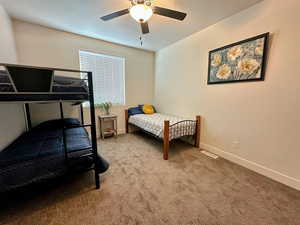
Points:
x=141, y=13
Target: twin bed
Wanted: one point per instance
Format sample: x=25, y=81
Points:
x=165, y=127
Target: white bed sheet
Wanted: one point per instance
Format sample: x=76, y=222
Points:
x=154, y=123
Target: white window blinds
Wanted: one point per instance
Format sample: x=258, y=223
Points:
x=108, y=76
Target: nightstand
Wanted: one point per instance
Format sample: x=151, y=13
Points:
x=108, y=125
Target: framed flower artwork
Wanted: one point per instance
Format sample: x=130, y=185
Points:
x=241, y=61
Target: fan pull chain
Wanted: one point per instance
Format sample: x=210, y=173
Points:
x=141, y=40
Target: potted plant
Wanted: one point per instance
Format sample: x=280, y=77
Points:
x=105, y=106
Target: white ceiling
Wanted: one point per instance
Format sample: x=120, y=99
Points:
x=82, y=17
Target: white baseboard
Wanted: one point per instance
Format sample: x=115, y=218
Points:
x=273, y=174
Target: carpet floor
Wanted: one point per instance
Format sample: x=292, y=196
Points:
x=141, y=188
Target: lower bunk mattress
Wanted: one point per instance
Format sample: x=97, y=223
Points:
x=154, y=124
x=40, y=154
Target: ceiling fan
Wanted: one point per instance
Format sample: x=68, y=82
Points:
x=142, y=10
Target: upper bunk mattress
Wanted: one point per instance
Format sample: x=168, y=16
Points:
x=61, y=84
x=154, y=123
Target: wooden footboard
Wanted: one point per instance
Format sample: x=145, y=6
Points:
x=166, y=139
x=167, y=126
x=166, y=132
x=126, y=120
x=198, y=131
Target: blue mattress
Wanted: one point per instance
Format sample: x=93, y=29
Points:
x=39, y=154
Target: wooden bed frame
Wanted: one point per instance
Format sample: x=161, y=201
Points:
x=166, y=140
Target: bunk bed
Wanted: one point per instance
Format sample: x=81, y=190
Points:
x=53, y=148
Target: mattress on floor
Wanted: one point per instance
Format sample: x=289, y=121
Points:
x=154, y=123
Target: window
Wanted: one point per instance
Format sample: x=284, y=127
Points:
x=108, y=76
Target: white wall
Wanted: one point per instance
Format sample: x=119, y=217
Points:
x=42, y=46
x=261, y=117
x=8, y=52
x=11, y=115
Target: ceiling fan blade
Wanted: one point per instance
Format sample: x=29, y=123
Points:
x=114, y=15
x=145, y=28
x=169, y=13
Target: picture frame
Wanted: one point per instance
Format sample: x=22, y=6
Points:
x=243, y=61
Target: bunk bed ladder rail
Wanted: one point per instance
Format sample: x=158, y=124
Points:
x=93, y=127
x=63, y=130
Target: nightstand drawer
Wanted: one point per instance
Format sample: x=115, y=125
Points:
x=108, y=119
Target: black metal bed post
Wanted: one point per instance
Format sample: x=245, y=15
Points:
x=63, y=129
x=93, y=127
x=28, y=118
x=81, y=114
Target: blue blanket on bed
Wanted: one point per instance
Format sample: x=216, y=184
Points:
x=39, y=154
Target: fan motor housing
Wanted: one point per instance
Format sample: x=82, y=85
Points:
x=145, y=2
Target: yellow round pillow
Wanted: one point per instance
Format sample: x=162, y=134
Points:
x=148, y=109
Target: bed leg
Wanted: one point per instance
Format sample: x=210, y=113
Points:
x=126, y=120
x=166, y=139
x=198, y=131
x=97, y=180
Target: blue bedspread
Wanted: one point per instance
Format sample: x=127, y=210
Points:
x=39, y=154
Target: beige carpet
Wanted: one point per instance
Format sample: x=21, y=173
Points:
x=141, y=188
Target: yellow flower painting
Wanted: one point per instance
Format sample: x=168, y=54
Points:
x=248, y=66
x=217, y=59
x=234, y=52
x=224, y=72
x=241, y=61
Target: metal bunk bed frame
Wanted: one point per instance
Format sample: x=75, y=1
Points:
x=59, y=97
